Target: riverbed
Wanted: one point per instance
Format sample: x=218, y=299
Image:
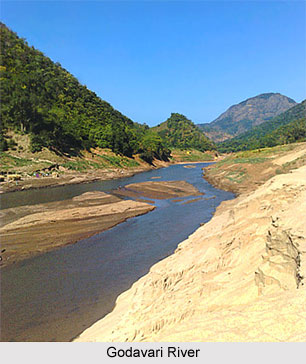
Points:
x=57, y=295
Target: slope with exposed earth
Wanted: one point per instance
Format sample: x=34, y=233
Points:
x=244, y=171
x=240, y=277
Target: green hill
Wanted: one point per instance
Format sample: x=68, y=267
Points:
x=246, y=115
x=42, y=99
x=288, y=127
x=180, y=132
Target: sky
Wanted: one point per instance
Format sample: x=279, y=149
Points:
x=151, y=58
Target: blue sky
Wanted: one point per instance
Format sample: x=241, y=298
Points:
x=151, y=58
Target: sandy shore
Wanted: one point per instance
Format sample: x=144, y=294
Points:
x=240, y=277
x=71, y=177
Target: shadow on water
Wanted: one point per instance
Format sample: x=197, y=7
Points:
x=55, y=296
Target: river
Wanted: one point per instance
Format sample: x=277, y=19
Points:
x=56, y=295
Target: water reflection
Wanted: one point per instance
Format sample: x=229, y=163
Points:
x=55, y=296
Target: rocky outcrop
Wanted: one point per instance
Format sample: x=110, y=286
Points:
x=240, y=277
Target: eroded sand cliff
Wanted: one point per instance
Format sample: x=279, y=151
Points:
x=240, y=277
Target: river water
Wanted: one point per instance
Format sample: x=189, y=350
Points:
x=56, y=295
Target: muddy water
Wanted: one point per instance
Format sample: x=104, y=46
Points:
x=55, y=296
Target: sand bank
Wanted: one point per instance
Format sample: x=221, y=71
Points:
x=32, y=229
x=159, y=189
x=239, y=277
x=29, y=230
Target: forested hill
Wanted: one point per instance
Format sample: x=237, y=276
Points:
x=41, y=98
x=246, y=115
x=288, y=127
x=180, y=132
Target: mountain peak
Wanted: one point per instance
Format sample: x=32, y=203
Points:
x=241, y=117
x=266, y=96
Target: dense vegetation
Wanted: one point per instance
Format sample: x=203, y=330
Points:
x=247, y=114
x=180, y=132
x=42, y=99
x=288, y=127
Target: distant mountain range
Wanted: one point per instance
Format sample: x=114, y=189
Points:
x=45, y=101
x=179, y=132
x=288, y=127
x=246, y=115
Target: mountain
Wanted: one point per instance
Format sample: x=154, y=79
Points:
x=42, y=99
x=180, y=132
x=245, y=115
x=285, y=128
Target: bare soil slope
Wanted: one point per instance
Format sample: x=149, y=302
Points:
x=240, y=277
x=245, y=171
